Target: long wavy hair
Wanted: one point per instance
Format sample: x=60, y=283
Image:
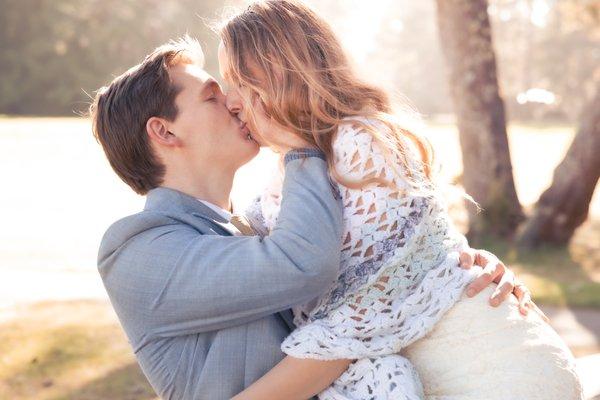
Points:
x=289, y=57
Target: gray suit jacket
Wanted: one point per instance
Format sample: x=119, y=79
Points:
x=205, y=311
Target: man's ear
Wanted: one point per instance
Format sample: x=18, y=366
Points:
x=158, y=132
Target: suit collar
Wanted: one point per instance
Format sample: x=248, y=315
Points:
x=223, y=213
x=171, y=201
x=174, y=202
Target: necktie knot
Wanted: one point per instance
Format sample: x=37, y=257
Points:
x=242, y=224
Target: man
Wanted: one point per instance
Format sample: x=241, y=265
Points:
x=204, y=307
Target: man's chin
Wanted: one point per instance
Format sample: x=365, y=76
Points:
x=249, y=156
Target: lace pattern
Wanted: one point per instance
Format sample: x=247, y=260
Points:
x=399, y=264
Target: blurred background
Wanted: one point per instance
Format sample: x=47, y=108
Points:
x=508, y=91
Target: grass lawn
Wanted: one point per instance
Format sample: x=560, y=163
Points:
x=68, y=351
x=567, y=276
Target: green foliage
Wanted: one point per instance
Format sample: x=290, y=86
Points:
x=554, y=49
x=56, y=51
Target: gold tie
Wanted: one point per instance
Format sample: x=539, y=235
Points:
x=242, y=225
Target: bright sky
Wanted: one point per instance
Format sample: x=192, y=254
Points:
x=358, y=24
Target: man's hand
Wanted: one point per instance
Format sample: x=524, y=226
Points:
x=495, y=271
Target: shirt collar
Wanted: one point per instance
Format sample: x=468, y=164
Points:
x=223, y=213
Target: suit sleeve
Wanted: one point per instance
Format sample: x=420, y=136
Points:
x=189, y=283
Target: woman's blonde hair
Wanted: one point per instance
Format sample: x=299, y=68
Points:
x=292, y=61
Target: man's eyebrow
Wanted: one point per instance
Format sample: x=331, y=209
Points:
x=210, y=82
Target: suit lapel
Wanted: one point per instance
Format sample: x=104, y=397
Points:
x=224, y=226
x=188, y=209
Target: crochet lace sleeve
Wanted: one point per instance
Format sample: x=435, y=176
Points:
x=381, y=220
x=399, y=270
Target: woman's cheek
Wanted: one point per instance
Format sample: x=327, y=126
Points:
x=259, y=138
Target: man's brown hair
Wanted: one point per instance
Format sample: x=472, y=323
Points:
x=120, y=111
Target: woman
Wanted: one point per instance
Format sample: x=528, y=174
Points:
x=399, y=288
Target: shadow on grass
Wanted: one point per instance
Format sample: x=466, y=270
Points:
x=125, y=383
x=68, y=350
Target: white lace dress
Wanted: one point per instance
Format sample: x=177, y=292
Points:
x=398, y=276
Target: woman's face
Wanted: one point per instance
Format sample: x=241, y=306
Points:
x=245, y=104
x=249, y=108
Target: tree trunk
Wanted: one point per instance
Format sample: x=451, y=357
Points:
x=466, y=39
x=565, y=204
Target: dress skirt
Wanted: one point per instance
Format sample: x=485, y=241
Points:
x=479, y=352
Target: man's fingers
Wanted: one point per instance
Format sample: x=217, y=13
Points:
x=536, y=309
x=483, y=257
x=505, y=287
x=524, y=298
x=489, y=274
x=466, y=259
x=525, y=302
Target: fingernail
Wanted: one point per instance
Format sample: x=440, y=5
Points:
x=494, y=302
x=470, y=292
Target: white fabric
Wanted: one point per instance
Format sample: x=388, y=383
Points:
x=398, y=276
x=480, y=352
x=222, y=212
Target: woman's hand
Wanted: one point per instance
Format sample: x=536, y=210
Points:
x=495, y=271
x=295, y=379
